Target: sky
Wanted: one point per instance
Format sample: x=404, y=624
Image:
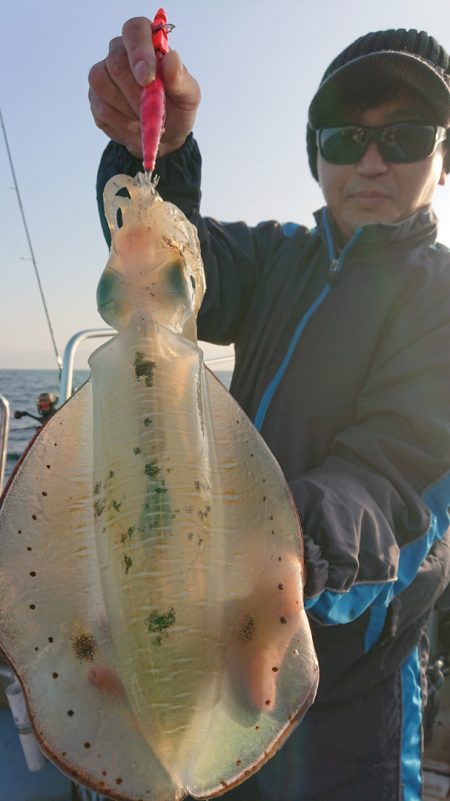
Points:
x=258, y=64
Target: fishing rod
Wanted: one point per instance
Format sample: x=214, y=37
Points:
x=32, y=256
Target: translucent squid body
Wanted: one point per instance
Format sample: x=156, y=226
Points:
x=150, y=553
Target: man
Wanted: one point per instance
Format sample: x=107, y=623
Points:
x=342, y=339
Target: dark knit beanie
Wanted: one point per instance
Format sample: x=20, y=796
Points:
x=387, y=60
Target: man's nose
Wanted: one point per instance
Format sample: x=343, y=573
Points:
x=372, y=162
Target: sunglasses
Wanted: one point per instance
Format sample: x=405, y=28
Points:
x=399, y=142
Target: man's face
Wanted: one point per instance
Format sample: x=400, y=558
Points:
x=374, y=190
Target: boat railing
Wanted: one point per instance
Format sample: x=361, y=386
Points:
x=4, y=433
x=66, y=381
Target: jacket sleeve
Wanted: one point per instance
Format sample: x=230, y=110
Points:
x=375, y=512
x=234, y=254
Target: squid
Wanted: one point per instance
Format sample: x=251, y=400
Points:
x=151, y=565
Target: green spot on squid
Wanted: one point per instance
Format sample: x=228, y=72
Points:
x=144, y=368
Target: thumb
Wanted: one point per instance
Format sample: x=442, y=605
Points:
x=137, y=40
x=179, y=84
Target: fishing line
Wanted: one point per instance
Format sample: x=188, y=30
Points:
x=19, y=199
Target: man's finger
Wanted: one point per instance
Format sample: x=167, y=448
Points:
x=116, y=126
x=137, y=39
x=106, y=114
x=180, y=86
x=119, y=71
x=102, y=86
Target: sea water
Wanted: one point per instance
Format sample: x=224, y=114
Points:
x=21, y=389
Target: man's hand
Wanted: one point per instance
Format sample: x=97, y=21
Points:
x=115, y=86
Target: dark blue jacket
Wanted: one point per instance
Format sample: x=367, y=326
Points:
x=343, y=363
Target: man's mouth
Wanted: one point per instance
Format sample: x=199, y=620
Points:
x=370, y=195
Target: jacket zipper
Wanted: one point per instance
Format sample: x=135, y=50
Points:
x=336, y=265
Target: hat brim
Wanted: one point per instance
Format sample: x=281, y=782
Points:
x=384, y=67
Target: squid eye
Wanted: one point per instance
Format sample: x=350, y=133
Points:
x=176, y=277
x=192, y=281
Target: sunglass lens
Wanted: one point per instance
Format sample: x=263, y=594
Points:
x=407, y=142
x=344, y=145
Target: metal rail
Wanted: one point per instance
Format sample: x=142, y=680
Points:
x=66, y=383
x=4, y=433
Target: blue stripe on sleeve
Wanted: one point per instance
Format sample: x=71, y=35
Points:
x=437, y=498
x=374, y=627
x=343, y=607
x=289, y=228
x=411, y=730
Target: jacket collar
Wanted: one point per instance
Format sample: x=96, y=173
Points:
x=368, y=240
